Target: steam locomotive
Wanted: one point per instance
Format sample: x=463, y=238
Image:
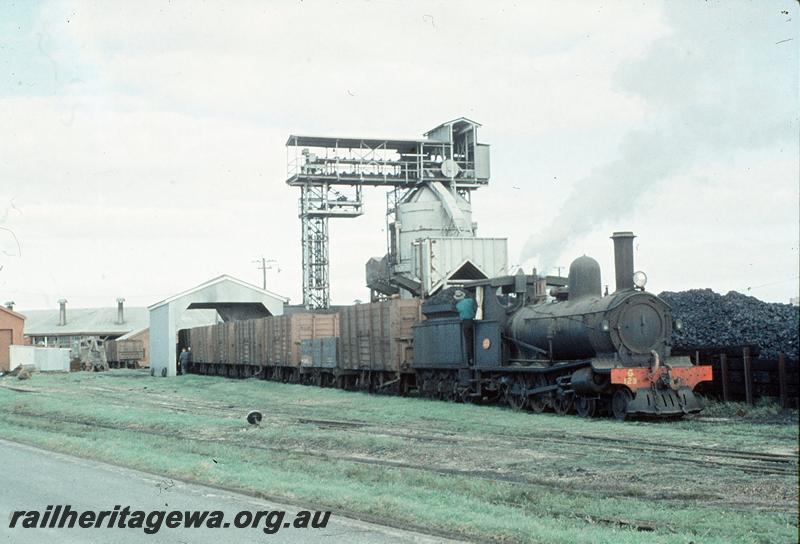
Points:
x=537, y=342
x=576, y=349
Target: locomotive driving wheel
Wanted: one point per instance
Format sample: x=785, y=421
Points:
x=619, y=403
x=562, y=404
x=540, y=402
x=586, y=407
x=516, y=393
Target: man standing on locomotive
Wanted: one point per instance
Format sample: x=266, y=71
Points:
x=467, y=308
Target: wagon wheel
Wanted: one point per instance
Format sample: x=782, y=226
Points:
x=516, y=393
x=375, y=383
x=586, y=407
x=619, y=403
x=455, y=391
x=402, y=387
x=539, y=403
x=441, y=389
x=562, y=404
x=425, y=388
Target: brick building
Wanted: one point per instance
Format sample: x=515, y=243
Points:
x=11, y=331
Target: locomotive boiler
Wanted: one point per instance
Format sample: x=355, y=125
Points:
x=629, y=324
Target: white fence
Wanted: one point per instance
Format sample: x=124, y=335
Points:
x=44, y=359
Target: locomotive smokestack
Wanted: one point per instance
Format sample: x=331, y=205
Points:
x=623, y=259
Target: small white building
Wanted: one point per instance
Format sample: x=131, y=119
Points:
x=221, y=299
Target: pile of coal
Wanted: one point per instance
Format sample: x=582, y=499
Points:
x=713, y=320
x=444, y=296
x=442, y=303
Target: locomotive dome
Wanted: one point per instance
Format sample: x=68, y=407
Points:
x=584, y=278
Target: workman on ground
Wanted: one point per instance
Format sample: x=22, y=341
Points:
x=183, y=361
x=467, y=308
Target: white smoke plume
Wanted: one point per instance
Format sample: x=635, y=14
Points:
x=9, y=243
x=718, y=84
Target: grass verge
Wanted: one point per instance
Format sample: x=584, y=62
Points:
x=498, y=475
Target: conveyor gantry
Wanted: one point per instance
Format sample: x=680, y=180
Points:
x=331, y=172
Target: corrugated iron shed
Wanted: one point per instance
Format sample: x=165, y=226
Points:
x=223, y=297
x=85, y=322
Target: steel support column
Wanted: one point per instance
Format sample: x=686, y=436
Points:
x=316, y=284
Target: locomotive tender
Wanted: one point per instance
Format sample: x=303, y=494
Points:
x=574, y=350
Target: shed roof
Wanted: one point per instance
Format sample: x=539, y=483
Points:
x=12, y=312
x=85, y=321
x=214, y=281
x=456, y=121
x=133, y=333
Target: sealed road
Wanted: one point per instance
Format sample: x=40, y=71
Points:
x=33, y=479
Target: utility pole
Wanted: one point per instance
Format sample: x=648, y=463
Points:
x=265, y=265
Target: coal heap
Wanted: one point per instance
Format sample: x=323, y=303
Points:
x=443, y=296
x=441, y=304
x=713, y=320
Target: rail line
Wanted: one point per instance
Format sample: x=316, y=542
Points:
x=657, y=450
x=767, y=463
x=486, y=475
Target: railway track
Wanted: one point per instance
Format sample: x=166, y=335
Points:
x=764, y=463
x=761, y=462
x=551, y=440
x=487, y=475
x=769, y=464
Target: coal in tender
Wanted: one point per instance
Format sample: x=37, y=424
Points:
x=442, y=304
x=713, y=320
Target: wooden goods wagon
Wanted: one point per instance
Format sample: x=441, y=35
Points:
x=201, y=340
x=229, y=350
x=320, y=352
x=269, y=341
x=247, y=347
x=124, y=352
x=377, y=336
x=283, y=335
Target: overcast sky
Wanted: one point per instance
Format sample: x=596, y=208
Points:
x=142, y=144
